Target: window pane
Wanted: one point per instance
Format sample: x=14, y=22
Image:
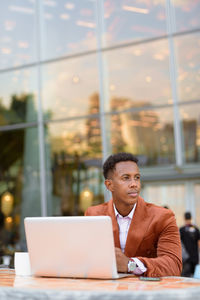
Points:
x=18, y=100
x=171, y=195
x=68, y=27
x=133, y=74
x=70, y=88
x=73, y=154
x=197, y=203
x=127, y=20
x=19, y=176
x=190, y=115
x=188, y=59
x=17, y=33
x=187, y=14
x=147, y=134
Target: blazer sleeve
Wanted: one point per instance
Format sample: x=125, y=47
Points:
x=168, y=261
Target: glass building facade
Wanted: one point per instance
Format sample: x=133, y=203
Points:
x=80, y=80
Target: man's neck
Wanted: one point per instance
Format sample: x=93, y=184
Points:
x=124, y=211
x=188, y=222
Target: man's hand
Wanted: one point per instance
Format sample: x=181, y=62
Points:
x=122, y=261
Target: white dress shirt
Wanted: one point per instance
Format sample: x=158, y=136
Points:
x=124, y=224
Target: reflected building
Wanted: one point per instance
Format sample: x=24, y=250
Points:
x=131, y=131
x=141, y=132
x=93, y=128
x=190, y=128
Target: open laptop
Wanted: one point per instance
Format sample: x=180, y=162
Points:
x=78, y=247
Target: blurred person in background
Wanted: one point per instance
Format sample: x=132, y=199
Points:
x=190, y=238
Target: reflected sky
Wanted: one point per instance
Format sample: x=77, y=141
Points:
x=18, y=82
x=139, y=73
x=17, y=33
x=68, y=86
x=133, y=20
x=187, y=10
x=134, y=72
x=70, y=26
x=188, y=62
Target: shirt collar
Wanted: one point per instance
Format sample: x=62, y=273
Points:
x=130, y=215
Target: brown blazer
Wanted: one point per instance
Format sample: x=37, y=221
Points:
x=153, y=237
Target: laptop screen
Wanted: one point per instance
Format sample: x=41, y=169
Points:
x=80, y=247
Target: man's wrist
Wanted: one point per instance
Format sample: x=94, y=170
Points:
x=131, y=265
x=141, y=268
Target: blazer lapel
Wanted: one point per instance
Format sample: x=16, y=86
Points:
x=137, y=229
x=111, y=213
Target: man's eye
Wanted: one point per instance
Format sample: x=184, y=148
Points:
x=137, y=177
x=125, y=178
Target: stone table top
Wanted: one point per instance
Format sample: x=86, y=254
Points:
x=130, y=288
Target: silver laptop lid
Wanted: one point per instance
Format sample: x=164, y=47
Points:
x=80, y=247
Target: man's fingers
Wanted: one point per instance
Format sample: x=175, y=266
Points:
x=118, y=250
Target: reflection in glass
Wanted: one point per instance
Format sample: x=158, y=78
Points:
x=74, y=158
x=70, y=87
x=127, y=20
x=190, y=115
x=188, y=58
x=147, y=134
x=139, y=76
x=187, y=10
x=171, y=195
x=197, y=203
x=17, y=33
x=19, y=176
x=18, y=100
x=68, y=27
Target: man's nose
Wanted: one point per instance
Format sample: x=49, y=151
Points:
x=133, y=182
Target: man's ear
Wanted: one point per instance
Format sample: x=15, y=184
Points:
x=109, y=184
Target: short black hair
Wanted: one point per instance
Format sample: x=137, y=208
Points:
x=112, y=160
x=187, y=215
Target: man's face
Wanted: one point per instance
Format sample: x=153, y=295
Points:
x=124, y=183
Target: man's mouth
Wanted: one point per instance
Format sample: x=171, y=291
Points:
x=133, y=193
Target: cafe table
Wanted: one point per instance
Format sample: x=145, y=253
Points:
x=130, y=288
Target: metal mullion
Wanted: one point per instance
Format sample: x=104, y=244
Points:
x=173, y=77
x=40, y=115
x=102, y=88
x=17, y=126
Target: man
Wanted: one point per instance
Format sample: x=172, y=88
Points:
x=190, y=237
x=146, y=236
